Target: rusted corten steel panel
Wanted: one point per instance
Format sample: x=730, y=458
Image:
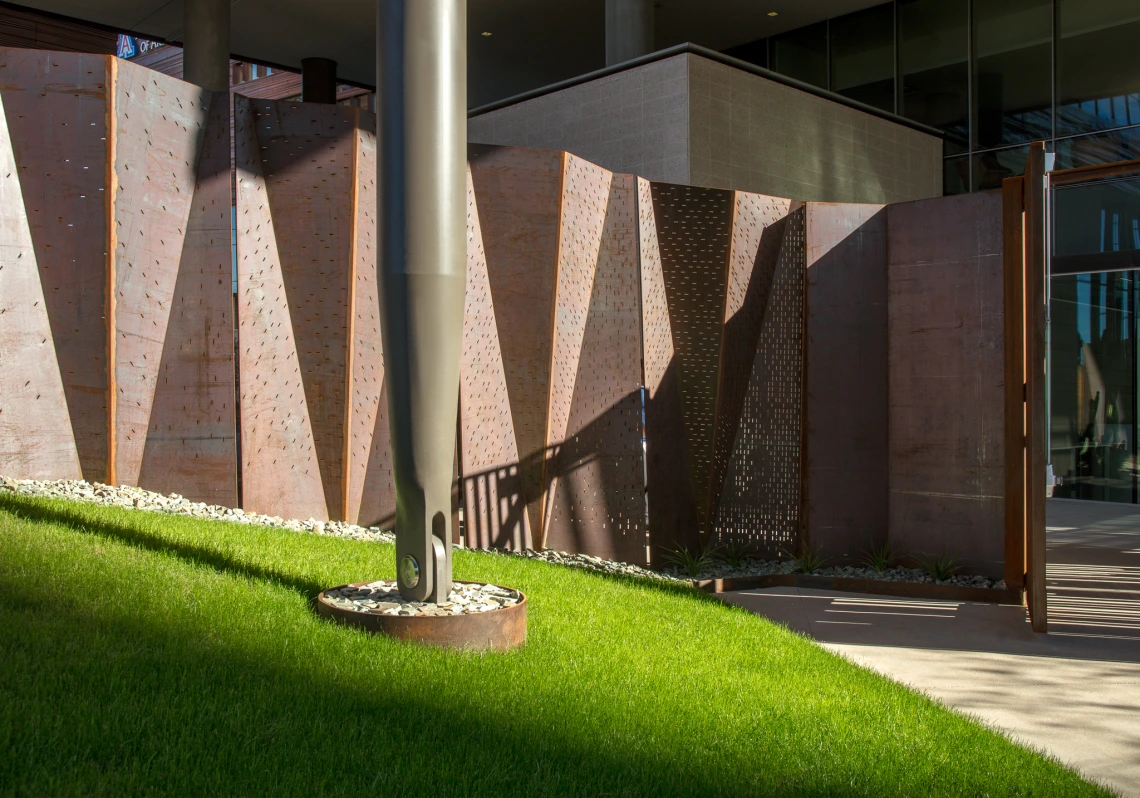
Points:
x=1013, y=209
x=694, y=233
x=371, y=488
x=280, y=472
x=946, y=384
x=596, y=470
x=56, y=108
x=308, y=154
x=758, y=227
x=845, y=394
x=494, y=505
x=36, y=441
x=761, y=494
x=160, y=126
x=191, y=443
x=519, y=193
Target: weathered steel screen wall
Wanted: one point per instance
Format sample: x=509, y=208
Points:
x=116, y=240
x=645, y=366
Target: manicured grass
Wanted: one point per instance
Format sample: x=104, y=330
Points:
x=147, y=654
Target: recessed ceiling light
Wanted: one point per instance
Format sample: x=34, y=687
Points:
x=773, y=13
x=486, y=33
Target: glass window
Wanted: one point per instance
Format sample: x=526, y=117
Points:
x=1117, y=145
x=863, y=56
x=933, y=62
x=991, y=168
x=802, y=54
x=1100, y=229
x=1098, y=71
x=956, y=175
x=1012, y=69
x=754, y=52
x=1092, y=400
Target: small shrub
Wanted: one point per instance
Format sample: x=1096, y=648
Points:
x=735, y=555
x=809, y=561
x=941, y=567
x=879, y=558
x=689, y=563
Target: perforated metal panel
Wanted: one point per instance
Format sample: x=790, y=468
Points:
x=191, y=439
x=56, y=108
x=280, y=472
x=308, y=153
x=596, y=470
x=495, y=506
x=760, y=502
x=36, y=440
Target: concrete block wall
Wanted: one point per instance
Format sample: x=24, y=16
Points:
x=690, y=120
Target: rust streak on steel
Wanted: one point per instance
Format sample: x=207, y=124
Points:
x=1014, y=304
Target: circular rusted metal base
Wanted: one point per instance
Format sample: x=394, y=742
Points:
x=494, y=630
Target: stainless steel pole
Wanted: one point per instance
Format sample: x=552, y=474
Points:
x=422, y=181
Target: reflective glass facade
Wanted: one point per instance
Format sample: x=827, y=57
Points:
x=993, y=74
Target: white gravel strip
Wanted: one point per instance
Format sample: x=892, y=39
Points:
x=383, y=598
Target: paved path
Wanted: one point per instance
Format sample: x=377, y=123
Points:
x=1074, y=692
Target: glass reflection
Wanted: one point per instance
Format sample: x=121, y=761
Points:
x=802, y=54
x=1012, y=63
x=863, y=56
x=1093, y=385
x=934, y=67
x=1098, y=73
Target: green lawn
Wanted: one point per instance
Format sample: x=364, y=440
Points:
x=149, y=654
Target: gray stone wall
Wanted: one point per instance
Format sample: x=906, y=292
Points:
x=690, y=120
x=633, y=122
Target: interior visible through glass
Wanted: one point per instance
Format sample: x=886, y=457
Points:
x=1094, y=326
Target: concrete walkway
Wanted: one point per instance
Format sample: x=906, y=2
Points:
x=1074, y=692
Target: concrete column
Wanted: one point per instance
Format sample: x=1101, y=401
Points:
x=629, y=29
x=422, y=177
x=318, y=80
x=206, y=43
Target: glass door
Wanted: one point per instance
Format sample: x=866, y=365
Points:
x=1093, y=339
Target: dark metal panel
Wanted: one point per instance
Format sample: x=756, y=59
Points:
x=519, y=195
x=758, y=228
x=308, y=156
x=191, y=443
x=1036, y=425
x=1014, y=309
x=760, y=499
x=36, y=441
x=56, y=107
x=159, y=130
x=672, y=507
x=280, y=473
x=845, y=384
x=946, y=366
x=596, y=472
x=694, y=232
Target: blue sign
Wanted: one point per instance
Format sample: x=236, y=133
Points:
x=128, y=47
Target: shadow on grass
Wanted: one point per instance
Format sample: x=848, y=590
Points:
x=80, y=519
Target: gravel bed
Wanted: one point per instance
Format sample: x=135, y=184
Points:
x=137, y=498
x=78, y=490
x=383, y=598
